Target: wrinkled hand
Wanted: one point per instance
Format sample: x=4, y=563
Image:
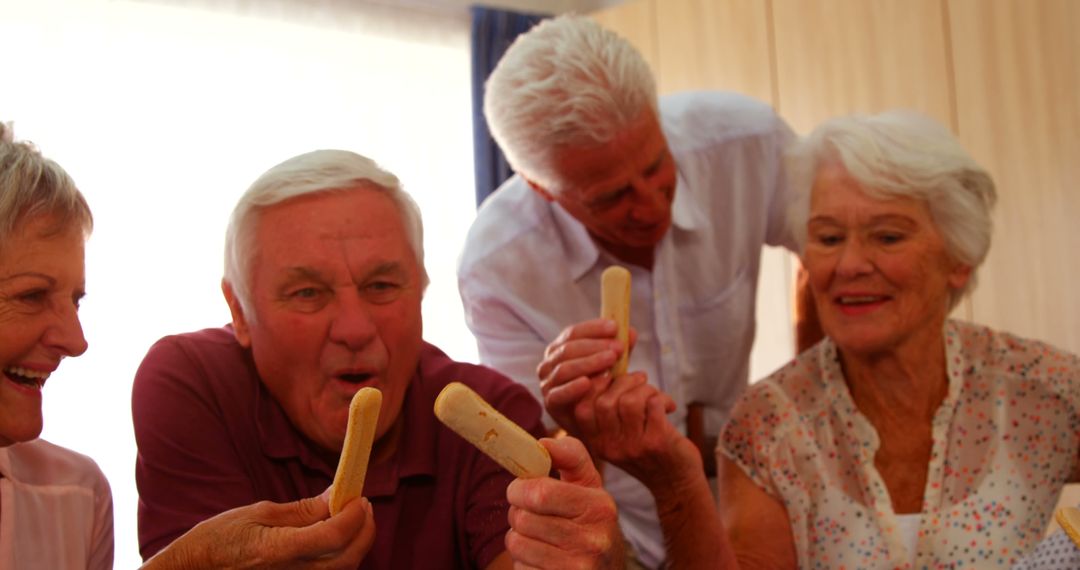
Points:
x=567, y=523
x=273, y=535
x=626, y=424
x=576, y=366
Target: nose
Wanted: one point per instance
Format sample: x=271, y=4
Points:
x=352, y=326
x=649, y=200
x=855, y=259
x=66, y=334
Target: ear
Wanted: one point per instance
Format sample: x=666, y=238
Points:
x=239, y=322
x=545, y=194
x=959, y=276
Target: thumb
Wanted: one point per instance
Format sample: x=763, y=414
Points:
x=302, y=513
x=569, y=456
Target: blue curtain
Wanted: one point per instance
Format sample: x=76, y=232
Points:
x=492, y=33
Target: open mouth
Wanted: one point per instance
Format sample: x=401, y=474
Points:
x=355, y=378
x=24, y=377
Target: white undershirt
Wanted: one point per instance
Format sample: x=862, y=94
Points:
x=908, y=527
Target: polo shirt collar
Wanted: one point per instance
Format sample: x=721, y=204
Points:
x=580, y=250
x=279, y=439
x=414, y=456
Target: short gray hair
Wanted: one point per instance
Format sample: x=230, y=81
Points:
x=311, y=173
x=566, y=82
x=32, y=185
x=902, y=154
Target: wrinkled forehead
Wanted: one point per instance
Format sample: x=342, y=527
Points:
x=629, y=153
x=41, y=226
x=350, y=227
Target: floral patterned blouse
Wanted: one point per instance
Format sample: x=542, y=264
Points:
x=1005, y=441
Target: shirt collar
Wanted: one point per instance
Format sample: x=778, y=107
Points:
x=836, y=388
x=415, y=454
x=686, y=214
x=279, y=439
x=581, y=252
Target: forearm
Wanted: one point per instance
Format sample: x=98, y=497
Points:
x=694, y=536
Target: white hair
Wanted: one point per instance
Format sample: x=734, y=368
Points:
x=32, y=186
x=902, y=154
x=311, y=173
x=567, y=82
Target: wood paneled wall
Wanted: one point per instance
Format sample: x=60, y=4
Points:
x=1004, y=75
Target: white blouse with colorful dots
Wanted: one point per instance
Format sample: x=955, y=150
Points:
x=1005, y=441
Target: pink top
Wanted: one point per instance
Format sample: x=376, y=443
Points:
x=1005, y=441
x=55, y=509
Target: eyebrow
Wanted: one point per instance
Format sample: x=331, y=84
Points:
x=301, y=272
x=880, y=218
x=385, y=268
x=655, y=165
x=49, y=278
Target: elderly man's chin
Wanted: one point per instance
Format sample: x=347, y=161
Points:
x=644, y=236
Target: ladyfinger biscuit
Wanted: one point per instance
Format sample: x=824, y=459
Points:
x=352, y=467
x=465, y=412
x=615, y=305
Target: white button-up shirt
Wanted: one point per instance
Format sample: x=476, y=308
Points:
x=529, y=270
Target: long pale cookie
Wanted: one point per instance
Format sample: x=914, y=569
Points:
x=465, y=412
x=615, y=305
x=352, y=468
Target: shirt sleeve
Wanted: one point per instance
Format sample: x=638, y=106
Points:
x=102, y=544
x=187, y=469
x=750, y=436
x=486, y=517
x=504, y=338
x=779, y=231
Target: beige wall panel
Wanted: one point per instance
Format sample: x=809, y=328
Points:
x=715, y=44
x=844, y=56
x=635, y=21
x=1017, y=68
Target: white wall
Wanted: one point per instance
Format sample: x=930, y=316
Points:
x=164, y=115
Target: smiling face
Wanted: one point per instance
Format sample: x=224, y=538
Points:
x=42, y=278
x=878, y=268
x=335, y=292
x=621, y=191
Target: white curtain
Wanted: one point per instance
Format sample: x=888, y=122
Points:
x=164, y=113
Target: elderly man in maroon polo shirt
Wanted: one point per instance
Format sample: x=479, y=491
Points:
x=324, y=276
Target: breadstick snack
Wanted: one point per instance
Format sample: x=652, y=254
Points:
x=465, y=412
x=615, y=304
x=352, y=467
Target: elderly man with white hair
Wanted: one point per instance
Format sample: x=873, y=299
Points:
x=683, y=190
x=324, y=277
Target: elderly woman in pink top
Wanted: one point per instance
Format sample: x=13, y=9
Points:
x=55, y=504
x=904, y=439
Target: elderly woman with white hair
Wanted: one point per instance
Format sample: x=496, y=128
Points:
x=904, y=439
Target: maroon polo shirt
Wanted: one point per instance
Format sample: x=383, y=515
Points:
x=211, y=438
